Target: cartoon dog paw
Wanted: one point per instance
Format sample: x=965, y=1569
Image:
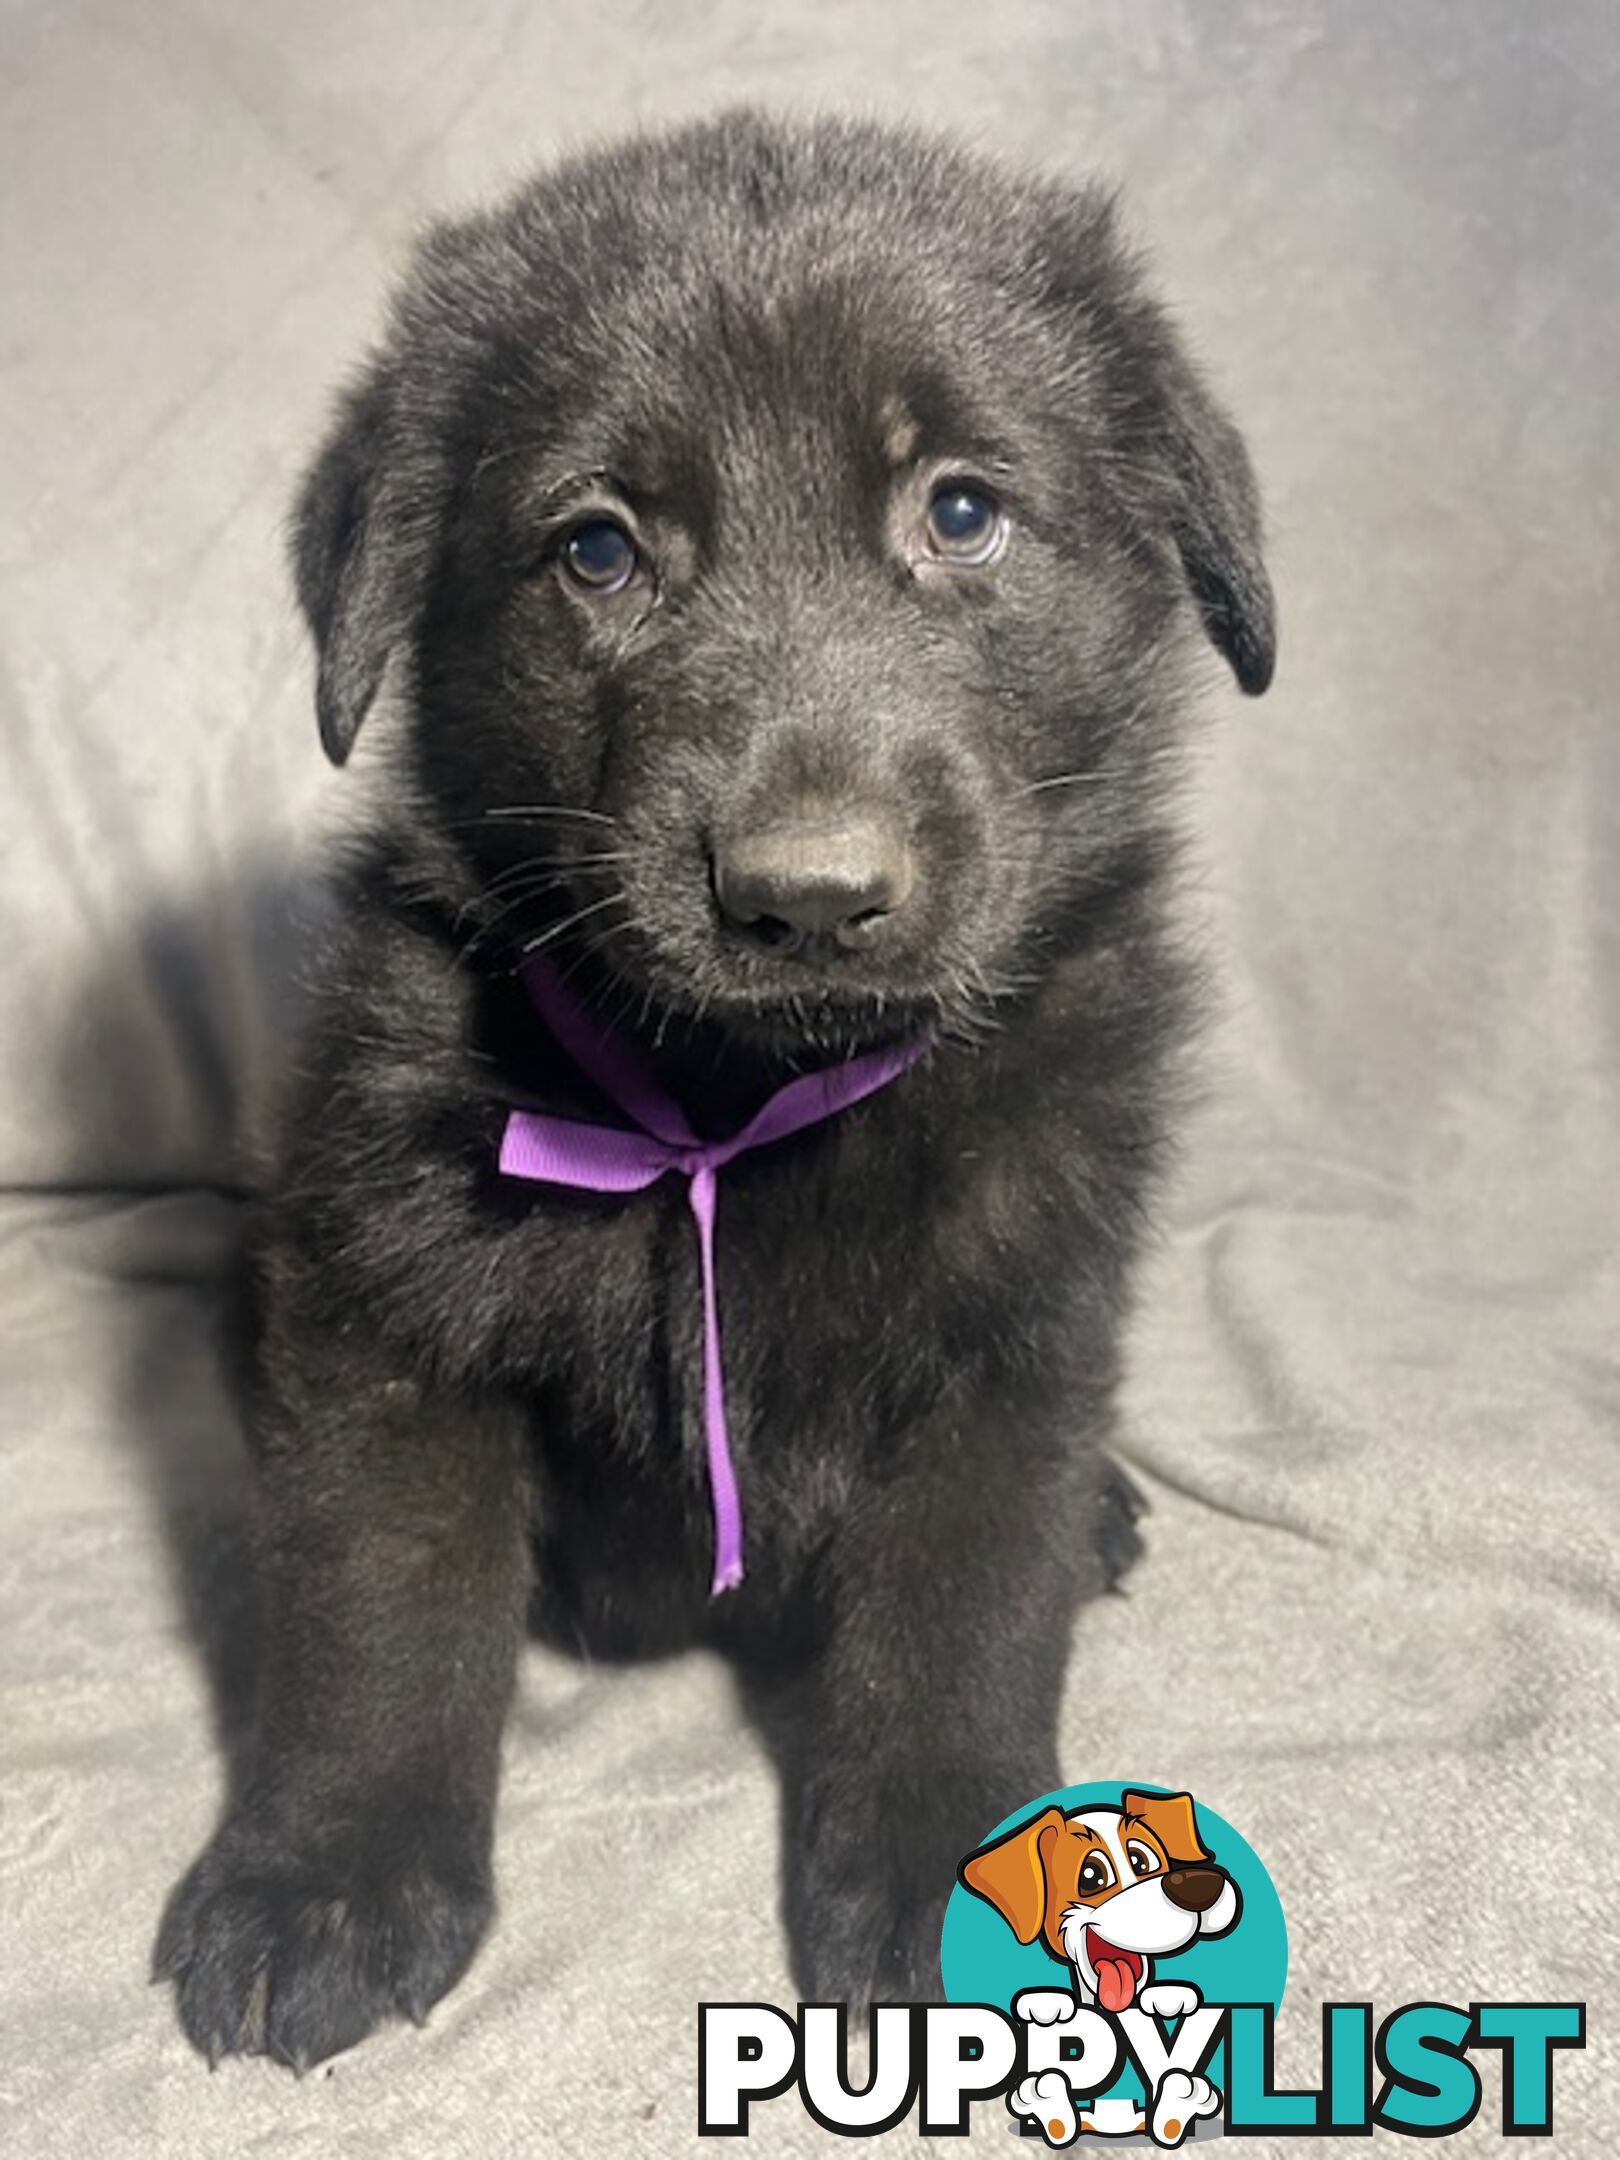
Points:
x=1044, y=2006
x=1182, y=2099
x=1045, y=2099
x=1169, y=1999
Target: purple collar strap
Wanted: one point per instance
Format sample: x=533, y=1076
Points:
x=604, y=1159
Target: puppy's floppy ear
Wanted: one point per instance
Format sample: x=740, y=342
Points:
x=354, y=564
x=1171, y=1818
x=1011, y=1874
x=1215, y=521
x=1179, y=461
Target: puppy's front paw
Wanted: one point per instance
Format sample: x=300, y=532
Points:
x=1045, y=2100
x=871, y=1866
x=1169, y=1999
x=1044, y=2006
x=1181, y=2102
x=864, y=1941
x=863, y=1928
x=273, y=1953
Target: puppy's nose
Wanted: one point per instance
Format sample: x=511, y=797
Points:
x=833, y=879
x=1194, y=1889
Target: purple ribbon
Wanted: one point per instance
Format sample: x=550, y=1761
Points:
x=604, y=1159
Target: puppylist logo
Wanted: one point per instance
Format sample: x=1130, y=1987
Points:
x=1113, y=1962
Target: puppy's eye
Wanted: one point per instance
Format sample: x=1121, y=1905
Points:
x=1142, y=1861
x=965, y=525
x=599, y=556
x=1095, y=1875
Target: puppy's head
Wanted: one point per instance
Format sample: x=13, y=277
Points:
x=787, y=535
x=1107, y=1888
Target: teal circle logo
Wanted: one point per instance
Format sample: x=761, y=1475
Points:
x=982, y=1959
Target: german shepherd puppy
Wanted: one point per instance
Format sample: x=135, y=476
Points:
x=784, y=544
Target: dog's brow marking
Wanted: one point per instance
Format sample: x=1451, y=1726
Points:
x=900, y=431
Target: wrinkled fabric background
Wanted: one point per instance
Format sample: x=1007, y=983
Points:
x=1374, y=1391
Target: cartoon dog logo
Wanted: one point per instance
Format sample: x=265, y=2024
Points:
x=1109, y=1890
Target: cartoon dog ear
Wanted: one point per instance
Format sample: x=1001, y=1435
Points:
x=357, y=557
x=1224, y=1915
x=1171, y=1819
x=1011, y=1874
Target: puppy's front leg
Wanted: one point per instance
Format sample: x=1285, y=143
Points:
x=932, y=1711
x=350, y=1879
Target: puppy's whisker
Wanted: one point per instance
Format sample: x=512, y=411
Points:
x=501, y=814
x=1067, y=780
x=551, y=870
x=521, y=811
x=521, y=883
x=570, y=922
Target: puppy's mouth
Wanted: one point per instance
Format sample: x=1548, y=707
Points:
x=1119, y=1972
x=784, y=989
x=786, y=993
x=823, y=1018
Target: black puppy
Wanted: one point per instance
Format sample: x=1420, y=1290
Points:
x=782, y=536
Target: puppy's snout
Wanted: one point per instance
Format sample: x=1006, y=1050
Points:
x=834, y=879
x=1194, y=1889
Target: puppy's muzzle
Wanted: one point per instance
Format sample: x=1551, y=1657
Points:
x=1194, y=1889
x=833, y=882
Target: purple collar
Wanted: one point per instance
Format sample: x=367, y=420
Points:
x=605, y=1159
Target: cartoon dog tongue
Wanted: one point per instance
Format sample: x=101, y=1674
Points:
x=1116, y=1982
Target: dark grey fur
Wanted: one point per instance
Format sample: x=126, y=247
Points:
x=475, y=1394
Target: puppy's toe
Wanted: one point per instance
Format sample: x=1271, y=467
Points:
x=1044, y=2099
x=1043, y=2006
x=1169, y=1999
x=1182, y=2100
x=1119, y=1506
x=299, y=1962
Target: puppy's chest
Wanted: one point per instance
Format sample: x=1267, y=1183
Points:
x=822, y=1283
